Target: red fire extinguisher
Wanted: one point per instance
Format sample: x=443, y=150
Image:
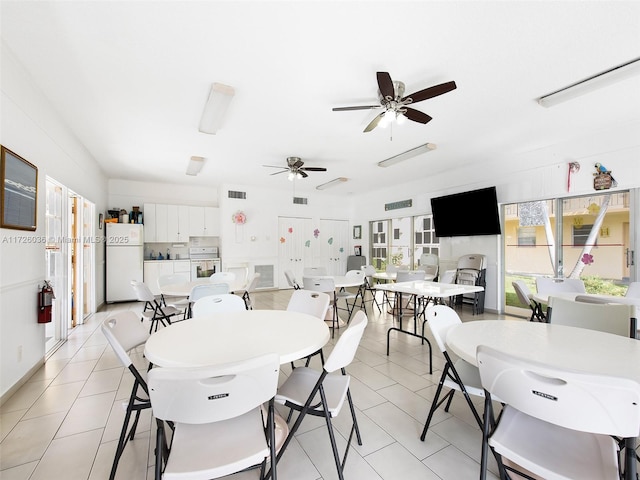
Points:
x=45, y=300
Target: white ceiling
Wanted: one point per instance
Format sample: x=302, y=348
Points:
x=131, y=78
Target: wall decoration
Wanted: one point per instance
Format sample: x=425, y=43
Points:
x=587, y=259
x=19, y=197
x=330, y=241
x=603, y=180
x=357, y=232
x=316, y=233
x=239, y=218
x=307, y=243
x=290, y=230
x=574, y=167
x=100, y=221
x=594, y=208
x=358, y=250
x=282, y=240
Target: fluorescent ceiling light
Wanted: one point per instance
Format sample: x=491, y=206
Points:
x=414, y=152
x=219, y=98
x=591, y=84
x=332, y=183
x=195, y=165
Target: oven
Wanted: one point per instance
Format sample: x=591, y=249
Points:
x=204, y=262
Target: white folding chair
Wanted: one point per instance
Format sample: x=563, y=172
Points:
x=219, y=427
x=429, y=262
x=409, y=276
x=124, y=333
x=457, y=375
x=314, y=271
x=311, y=303
x=526, y=298
x=549, y=286
x=320, y=394
x=556, y=424
x=346, y=295
x=158, y=313
x=326, y=285
x=206, y=290
x=369, y=272
x=291, y=279
x=223, y=277
x=251, y=286
x=611, y=318
x=179, y=303
x=218, y=304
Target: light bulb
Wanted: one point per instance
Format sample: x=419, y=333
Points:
x=400, y=118
x=291, y=176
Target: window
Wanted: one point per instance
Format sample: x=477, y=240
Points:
x=580, y=235
x=527, y=236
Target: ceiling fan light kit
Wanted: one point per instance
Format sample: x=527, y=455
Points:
x=414, y=152
x=332, y=183
x=295, y=169
x=395, y=103
x=216, y=107
x=195, y=165
x=600, y=80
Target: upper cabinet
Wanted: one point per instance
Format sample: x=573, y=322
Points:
x=204, y=221
x=176, y=223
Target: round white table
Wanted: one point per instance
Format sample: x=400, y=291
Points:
x=565, y=347
x=230, y=337
x=182, y=289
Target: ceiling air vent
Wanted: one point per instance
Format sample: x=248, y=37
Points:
x=235, y=194
x=300, y=200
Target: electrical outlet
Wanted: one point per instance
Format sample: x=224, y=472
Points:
x=19, y=353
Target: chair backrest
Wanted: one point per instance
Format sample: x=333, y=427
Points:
x=142, y=291
x=472, y=261
x=345, y=349
x=319, y=284
x=546, y=285
x=410, y=275
x=204, y=290
x=390, y=268
x=522, y=291
x=449, y=276
x=355, y=275
x=586, y=402
x=174, y=278
x=223, y=277
x=429, y=263
x=124, y=331
x=310, y=302
x=240, y=273
x=369, y=270
x=440, y=319
x=213, y=393
x=218, y=304
x=314, y=271
x=291, y=279
x=634, y=290
x=610, y=318
x=253, y=283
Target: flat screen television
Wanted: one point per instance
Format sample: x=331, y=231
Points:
x=466, y=213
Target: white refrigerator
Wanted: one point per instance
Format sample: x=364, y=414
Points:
x=125, y=250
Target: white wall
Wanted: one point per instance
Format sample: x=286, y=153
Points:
x=128, y=193
x=32, y=129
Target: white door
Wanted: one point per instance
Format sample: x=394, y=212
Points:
x=334, y=245
x=298, y=243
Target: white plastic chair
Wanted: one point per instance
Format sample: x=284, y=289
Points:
x=217, y=304
x=611, y=318
x=429, y=262
x=314, y=271
x=206, y=290
x=525, y=297
x=549, y=286
x=557, y=424
x=158, y=313
x=251, y=286
x=369, y=272
x=174, y=278
x=124, y=332
x=326, y=285
x=321, y=394
x=311, y=303
x=291, y=279
x=409, y=276
x=217, y=416
x=346, y=295
x=223, y=277
x=457, y=375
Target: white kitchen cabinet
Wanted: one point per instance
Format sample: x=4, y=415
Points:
x=162, y=223
x=204, y=221
x=153, y=270
x=149, y=218
x=177, y=223
x=183, y=267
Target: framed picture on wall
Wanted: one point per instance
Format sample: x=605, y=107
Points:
x=19, y=192
x=358, y=250
x=357, y=232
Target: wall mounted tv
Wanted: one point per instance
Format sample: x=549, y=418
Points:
x=467, y=213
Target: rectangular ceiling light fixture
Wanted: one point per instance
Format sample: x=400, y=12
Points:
x=591, y=84
x=214, y=110
x=332, y=183
x=195, y=165
x=414, y=152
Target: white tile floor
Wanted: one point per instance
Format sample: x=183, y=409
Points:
x=65, y=421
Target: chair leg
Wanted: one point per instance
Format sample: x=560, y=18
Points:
x=332, y=438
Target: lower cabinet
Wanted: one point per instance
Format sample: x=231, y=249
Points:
x=153, y=270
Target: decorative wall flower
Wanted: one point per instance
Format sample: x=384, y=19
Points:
x=587, y=259
x=282, y=240
x=307, y=243
x=330, y=241
x=316, y=233
x=239, y=218
x=290, y=229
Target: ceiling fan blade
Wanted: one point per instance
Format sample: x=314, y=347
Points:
x=374, y=123
x=417, y=115
x=274, y=166
x=304, y=175
x=385, y=84
x=346, y=109
x=278, y=173
x=314, y=169
x=297, y=164
x=431, y=92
